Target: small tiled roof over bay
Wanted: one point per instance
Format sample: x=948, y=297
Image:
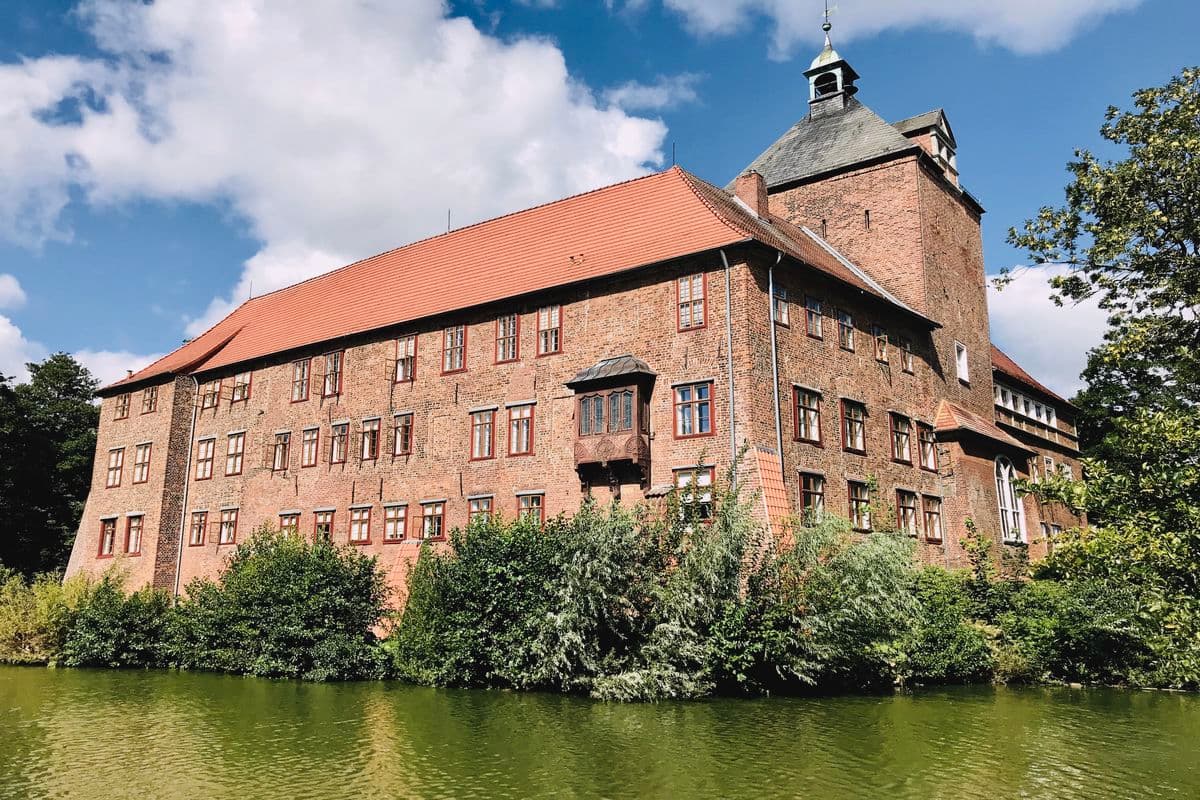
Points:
x=616, y=367
x=952, y=417
x=1010, y=369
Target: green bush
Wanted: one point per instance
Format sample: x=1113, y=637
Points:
x=112, y=629
x=35, y=616
x=948, y=644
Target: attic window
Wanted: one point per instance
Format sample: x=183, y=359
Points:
x=826, y=84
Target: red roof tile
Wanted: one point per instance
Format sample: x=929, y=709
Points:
x=774, y=493
x=1003, y=364
x=953, y=417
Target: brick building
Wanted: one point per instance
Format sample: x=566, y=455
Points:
x=828, y=311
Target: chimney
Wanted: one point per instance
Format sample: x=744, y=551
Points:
x=751, y=189
x=128, y=373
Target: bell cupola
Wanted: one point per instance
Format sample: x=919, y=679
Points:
x=830, y=79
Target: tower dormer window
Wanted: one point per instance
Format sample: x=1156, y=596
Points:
x=826, y=84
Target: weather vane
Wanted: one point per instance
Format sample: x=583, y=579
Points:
x=826, y=26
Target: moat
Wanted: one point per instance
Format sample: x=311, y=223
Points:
x=98, y=734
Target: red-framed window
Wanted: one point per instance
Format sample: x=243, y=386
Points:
x=133, y=535
x=433, y=520
x=695, y=488
x=520, y=430
x=454, y=348
x=860, y=505
x=149, y=399
x=141, y=462
x=227, y=533
x=360, y=526
x=406, y=359
x=532, y=507
x=479, y=509
x=901, y=438
x=402, y=434
x=241, y=388
x=880, y=337
x=335, y=363
x=933, y=518
x=116, y=465
x=483, y=435
x=779, y=306
x=508, y=338
x=198, y=529
x=807, y=415
x=369, y=445
x=906, y=512
x=395, y=523
x=549, y=330
x=338, y=434
x=108, y=538
x=813, y=317
x=812, y=496
x=205, y=452
x=122, y=407
x=323, y=526
x=693, y=410
x=281, y=455
x=310, y=446
x=845, y=327
x=854, y=426
x=904, y=345
x=210, y=394
x=235, y=452
x=689, y=299
x=289, y=524
x=301, y=373
x=927, y=447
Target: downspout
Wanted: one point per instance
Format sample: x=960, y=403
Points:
x=775, y=359
x=187, y=482
x=733, y=449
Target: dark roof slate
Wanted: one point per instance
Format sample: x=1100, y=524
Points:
x=615, y=367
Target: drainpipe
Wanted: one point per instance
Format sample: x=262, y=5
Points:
x=733, y=449
x=187, y=482
x=775, y=360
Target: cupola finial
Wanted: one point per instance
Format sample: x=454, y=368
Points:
x=829, y=76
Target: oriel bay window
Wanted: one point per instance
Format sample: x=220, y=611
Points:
x=507, y=338
x=906, y=512
x=205, y=450
x=812, y=496
x=406, y=358
x=689, y=291
x=227, y=534
x=360, y=525
x=433, y=520
x=402, y=434
x=331, y=385
x=116, y=464
x=520, y=430
x=613, y=421
x=901, y=438
x=807, y=415
x=235, y=450
x=532, y=507
x=928, y=447
x=281, y=452
x=300, y=374
x=338, y=434
x=549, y=330
x=854, y=426
x=310, y=446
x=860, y=505
x=369, y=445
x=395, y=523
x=483, y=425
x=620, y=411
x=108, y=537
x=454, y=348
x=141, y=462
x=693, y=410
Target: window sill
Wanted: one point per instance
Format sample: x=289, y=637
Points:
x=395, y=541
x=813, y=442
x=694, y=435
x=854, y=451
x=359, y=542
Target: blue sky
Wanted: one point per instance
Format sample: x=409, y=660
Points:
x=162, y=160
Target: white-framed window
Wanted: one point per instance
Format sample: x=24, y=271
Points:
x=141, y=463
x=338, y=434
x=860, y=505
x=108, y=537
x=234, y=452
x=1012, y=515
x=289, y=524
x=812, y=496
x=205, y=452
x=549, y=330
x=300, y=374
x=395, y=523
x=402, y=434
x=507, y=338
x=532, y=507
x=133, y=535
x=369, y=446
x=695, y=488
x=198, y=528
x=779, y=305
x=933, y=518
x=116, y=463
x=360, y=525
x=520, y=430
x=961, y=362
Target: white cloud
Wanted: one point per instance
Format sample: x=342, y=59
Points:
x=336, y=130
x=1024, y=26
x=111, y=365
x=16, y=351
x=11, y=293
x=666, y=92
x=1049, y=341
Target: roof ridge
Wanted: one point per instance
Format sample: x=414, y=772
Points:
x=690, y=181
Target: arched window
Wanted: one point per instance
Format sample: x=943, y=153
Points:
x=1012, y=516
x=826, y=84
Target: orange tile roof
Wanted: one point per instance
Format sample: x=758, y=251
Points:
x=774, y=493
x=953, y=417
x=621, y=227
x=1003, y=364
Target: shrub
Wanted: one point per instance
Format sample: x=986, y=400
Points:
x=35, y=616
x=112, y=629
x=948, y=645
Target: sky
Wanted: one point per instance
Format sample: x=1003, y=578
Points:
x=162, y=161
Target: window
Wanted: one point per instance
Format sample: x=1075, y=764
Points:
x=812, y=496
x=332, y=384
x=149, y=399
x=906, y=512
x=402, y=434
x=289, y=524
x=860, y=506
x=454, y=348
x=205, y=449
x=116, y=462
x=695, y=487
x=933, y=518
x=300, y=374
x=961, y=362
x=845, y=324
x=309, y=447
x=360, y=526
x=369, y=446
x=323, y=525
x=1048, y=464
x=689, y=291
x=1055, y=531
x=812, y=317
x=906, y=354
x=1012, y=516
x=482, y=434
x=480, y=509
x=591, y=415
x=395, y=523
x=108, y=537
x=693, y=410
x=281, y=454
x=406, y=358
x=233, y=453
x=432, y=520
x=337, y=443
x=901, y=438
x=881, y=343
x=520, y=430
x=198, y=529
x=807, y=417
x=133, y=535
x=620, y=411
x=122, y=411
x=779, y=305
x=854, y=426
x=228, y=530
x=530, y=507
x=549, y=330
x=241, y=388
x=867, y=218
x=210, y=394
x=928, y=445
x=141, y=463
x=507, y=338
x=1067, y=471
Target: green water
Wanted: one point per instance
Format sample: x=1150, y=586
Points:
x=85, y=734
